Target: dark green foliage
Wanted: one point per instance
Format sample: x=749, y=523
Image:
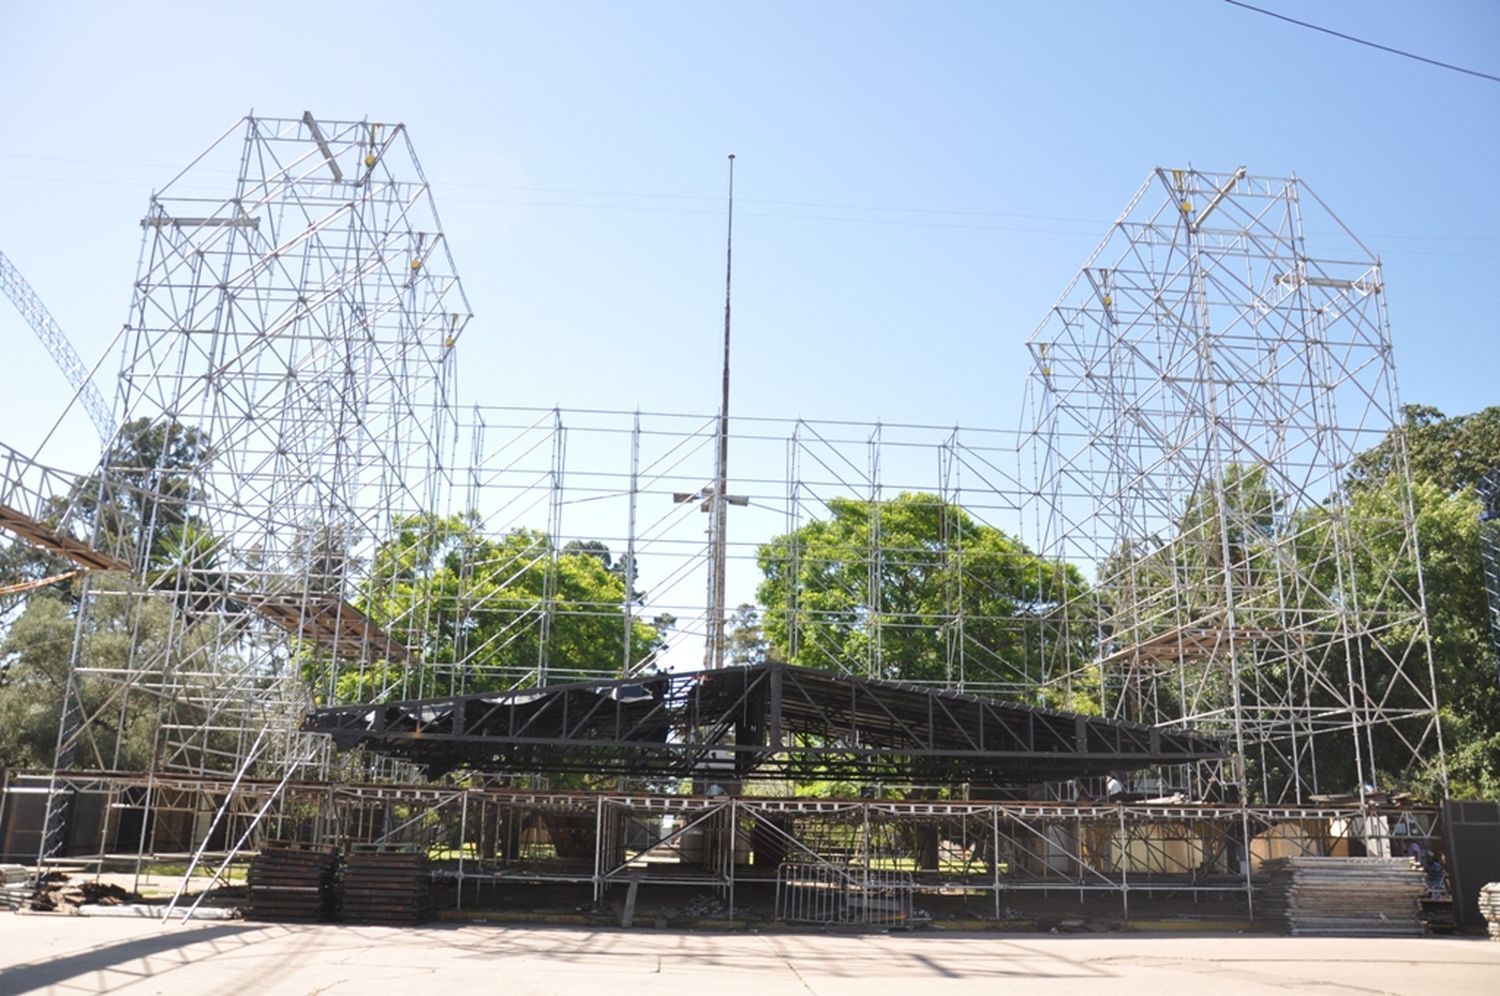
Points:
x=745, y=637
x=485, y=612
x=1452, y=453
x=141, y=499
x=1448, y=456
x=34, y=661
x=891, y=581
x=144, y=494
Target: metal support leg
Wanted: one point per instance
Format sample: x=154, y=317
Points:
x=463, y=837
x=599, y=849
x=995, y=856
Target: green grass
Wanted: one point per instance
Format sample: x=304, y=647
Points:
x=233, y=875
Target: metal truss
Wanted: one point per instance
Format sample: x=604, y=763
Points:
x=755, y=723
x=286, y=373
x=1008, y=860
x=1199, y=393
x=15, y=287
x=634, y=481
x=1489, y=554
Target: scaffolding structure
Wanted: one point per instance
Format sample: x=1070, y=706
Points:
x=284, y=394
x=1199, y=394
x=1489, y=553
x=296, y=512
x=996, y=860
x=632, y=485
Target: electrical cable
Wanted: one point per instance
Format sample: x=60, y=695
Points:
x=1361, y=41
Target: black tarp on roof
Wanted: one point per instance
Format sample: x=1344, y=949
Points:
x=769, y=721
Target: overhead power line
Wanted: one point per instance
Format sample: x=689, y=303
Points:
x=1361, y=41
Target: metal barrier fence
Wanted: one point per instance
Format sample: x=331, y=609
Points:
x=818, y=892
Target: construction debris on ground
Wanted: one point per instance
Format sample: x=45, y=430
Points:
x=55, y=892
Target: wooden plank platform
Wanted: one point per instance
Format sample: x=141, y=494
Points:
x=42, y=535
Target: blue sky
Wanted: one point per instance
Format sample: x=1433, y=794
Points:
x=917, y=182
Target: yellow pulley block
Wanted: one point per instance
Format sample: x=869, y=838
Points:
x=416, y=264
x=371, y=158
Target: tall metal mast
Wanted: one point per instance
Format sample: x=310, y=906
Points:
x=714, y=658
x=1489, y=553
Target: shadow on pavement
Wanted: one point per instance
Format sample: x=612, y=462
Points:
x=39, y=975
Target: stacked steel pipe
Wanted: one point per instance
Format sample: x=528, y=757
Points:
x=386, y=887
x=289, y=881
x=1327, y=896
x=1489, y=908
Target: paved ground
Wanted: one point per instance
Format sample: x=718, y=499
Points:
x=87, y=955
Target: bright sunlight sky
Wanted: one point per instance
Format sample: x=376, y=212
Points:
x=916, y=182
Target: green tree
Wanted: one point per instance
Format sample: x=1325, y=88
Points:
x=1226, y=542
x=33, y=675
x=486, y=612
x=1447, y=457
x=745, y=637
x=34, y=662
x=146, y=489
x=141, y=498
x=141, y=494
x=914, y=588
x=1450, y=452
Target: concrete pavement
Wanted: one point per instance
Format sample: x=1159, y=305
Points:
x=87, y=955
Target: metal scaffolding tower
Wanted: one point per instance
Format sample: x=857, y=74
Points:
x=285, y=394
x=295, y=513
x=1199, y=392
x=50, y=333
x=1489, y=553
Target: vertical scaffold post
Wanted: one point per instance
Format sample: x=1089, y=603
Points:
x=463, y=844
x=598, y=848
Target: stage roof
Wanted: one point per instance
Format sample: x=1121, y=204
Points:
x=769, y=721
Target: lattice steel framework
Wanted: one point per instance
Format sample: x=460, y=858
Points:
x=1002, y=860
x=1199, y=393
x=286, y=376
x=326, y=526
x=1489, y=554
x=545, y=484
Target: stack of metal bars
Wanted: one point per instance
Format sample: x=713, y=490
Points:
x=290, y=881
x=386, y=886
x=15, y=886
x=1489, y=908
x=1345, y=896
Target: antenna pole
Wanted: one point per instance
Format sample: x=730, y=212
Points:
x=715, y=648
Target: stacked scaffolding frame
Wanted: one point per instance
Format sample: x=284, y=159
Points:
x=316, y=521
x=1002, y=860
x=284, y=393
x=1200, y=391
